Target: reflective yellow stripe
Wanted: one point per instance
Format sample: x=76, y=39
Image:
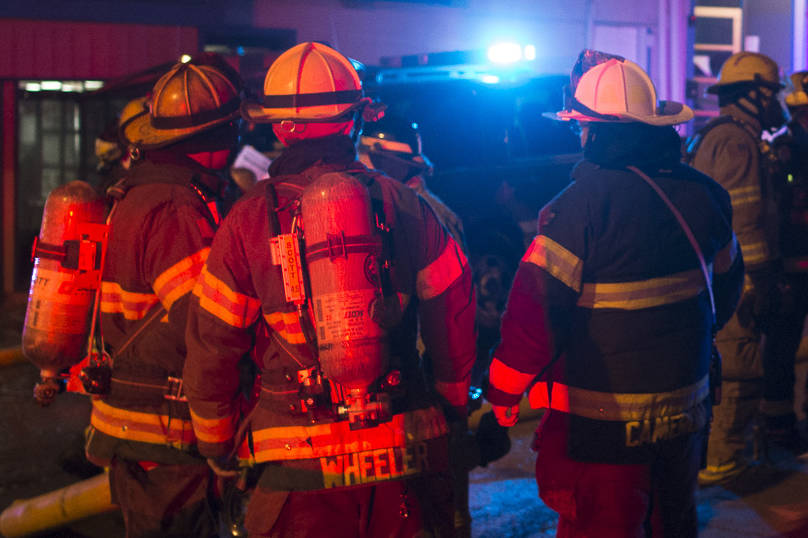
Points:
x=510, y=380
x=216, y=297
x=436, y=277
x=304, y=442
x=556, y=260
x=180, y=278
x=139, y=426
x=756, y=252
x=287, y=325
x=726, y=256
x=214, y=430
x=615, y=406
x=116, y=300
x=745, y=195
x=642, y=293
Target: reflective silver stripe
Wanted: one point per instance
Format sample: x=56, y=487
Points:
x=436, y=277
x=642, y=293
x=556, y=260
x=726, y=256
x=618, y=407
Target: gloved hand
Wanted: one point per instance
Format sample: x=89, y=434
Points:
x=492, y=439
x=224, y=468
x=506, y=415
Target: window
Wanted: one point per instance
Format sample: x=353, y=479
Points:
x=718, y=36
x=57, y=127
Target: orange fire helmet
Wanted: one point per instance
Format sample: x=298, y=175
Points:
x=188, y=100
x=310, y=82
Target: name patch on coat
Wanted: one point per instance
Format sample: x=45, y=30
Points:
x=375, y=465
x=641, y=432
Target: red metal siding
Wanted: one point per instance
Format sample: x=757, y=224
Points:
x=81, y=50
x=8, y=160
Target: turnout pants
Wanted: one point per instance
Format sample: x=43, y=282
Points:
x=167, y=501
x=741, y=396
x=620, y=501
x=779, y=353
x=421, y=507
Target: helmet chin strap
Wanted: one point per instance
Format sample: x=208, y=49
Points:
x=757, y=105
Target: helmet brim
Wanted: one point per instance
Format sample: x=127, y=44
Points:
x=718, y=87
x=683, y=113
x=257, y=113
x=140, y=132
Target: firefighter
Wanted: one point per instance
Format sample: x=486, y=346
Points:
x=393, y=145
x=343, y=439
x=610, y=315
x=161, y=229
x=730, y=150
x=110, y=147
x=791, y=149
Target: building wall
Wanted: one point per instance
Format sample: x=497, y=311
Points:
x=371, y=30
x=771, y=20
x=87, y=50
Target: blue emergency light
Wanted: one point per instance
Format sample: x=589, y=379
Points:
x=510, y=52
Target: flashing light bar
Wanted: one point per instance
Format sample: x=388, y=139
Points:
x=503, y=62
x=510, y=52
x=505, y=53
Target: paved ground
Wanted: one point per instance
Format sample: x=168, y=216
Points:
x=38, y=449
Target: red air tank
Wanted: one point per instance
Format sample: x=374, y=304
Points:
x=342, y=256
x=66, y=275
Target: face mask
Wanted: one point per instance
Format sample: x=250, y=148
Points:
x=774, y=114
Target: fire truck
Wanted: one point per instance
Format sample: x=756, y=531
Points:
x=497, y=159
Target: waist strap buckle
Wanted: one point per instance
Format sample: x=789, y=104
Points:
x=174, y=390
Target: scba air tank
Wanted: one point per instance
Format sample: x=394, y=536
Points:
x=65, y=278
x=342, y=255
